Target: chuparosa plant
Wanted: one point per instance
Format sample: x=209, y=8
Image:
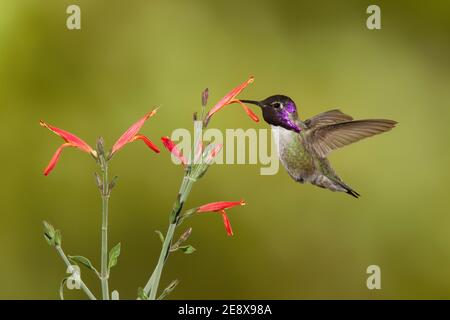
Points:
x=195, y=167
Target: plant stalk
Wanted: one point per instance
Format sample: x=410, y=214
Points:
x=104, y=253
x=151, y=288
x=69, y=265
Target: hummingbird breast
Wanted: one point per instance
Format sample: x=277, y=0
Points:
x=294, y=154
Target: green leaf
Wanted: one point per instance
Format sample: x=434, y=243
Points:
x=141, y=294
x=169, y=289
x=187, y=249
x=61, y=288
x=84, y=261
x=161, y=237
x=114, y=255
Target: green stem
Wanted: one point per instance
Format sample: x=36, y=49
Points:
x=162, y=259
x=68, y=264
x=151, y=288
x=104, y=254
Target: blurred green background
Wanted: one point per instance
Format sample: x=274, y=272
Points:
x=291, y=241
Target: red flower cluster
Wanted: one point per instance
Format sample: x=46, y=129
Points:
x=72, y=140
x=132, y=134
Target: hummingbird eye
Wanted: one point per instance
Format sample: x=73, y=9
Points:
x=276, y=105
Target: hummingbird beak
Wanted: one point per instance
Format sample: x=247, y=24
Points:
x=253, y=102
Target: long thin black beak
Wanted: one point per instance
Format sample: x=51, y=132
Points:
x=253, y=102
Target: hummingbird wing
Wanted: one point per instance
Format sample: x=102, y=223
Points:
x=328, y=117
x=327, y=138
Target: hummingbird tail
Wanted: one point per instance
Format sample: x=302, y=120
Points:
x=353, y=193
x=349, y=190
x=334, y=183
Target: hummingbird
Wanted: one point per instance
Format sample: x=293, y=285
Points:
x=303, y=146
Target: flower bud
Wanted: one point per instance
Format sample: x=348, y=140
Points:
x=205, y=95
x=100, y=147
x=98, y=181
x=184, y=236
x=52, y=236
x=113, y=182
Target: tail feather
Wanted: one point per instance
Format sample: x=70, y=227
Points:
x=349, y=190
x=334, y=183
x=353, y=193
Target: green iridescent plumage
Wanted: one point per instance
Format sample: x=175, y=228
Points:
x=303, y=147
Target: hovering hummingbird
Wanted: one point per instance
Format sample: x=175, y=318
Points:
x=303, y=146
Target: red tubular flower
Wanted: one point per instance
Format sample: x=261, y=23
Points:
x=71, y=141
x=220, y=208
x=132, y=135
x=170, y=145
x=231, y=98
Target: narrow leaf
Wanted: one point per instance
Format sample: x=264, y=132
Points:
x=161, y=236
x=84, y=261
x=114, y=255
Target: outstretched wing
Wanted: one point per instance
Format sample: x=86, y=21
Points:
x=328, y=117
x=327, y=138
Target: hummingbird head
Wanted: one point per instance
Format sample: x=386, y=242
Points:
x=279, y=111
